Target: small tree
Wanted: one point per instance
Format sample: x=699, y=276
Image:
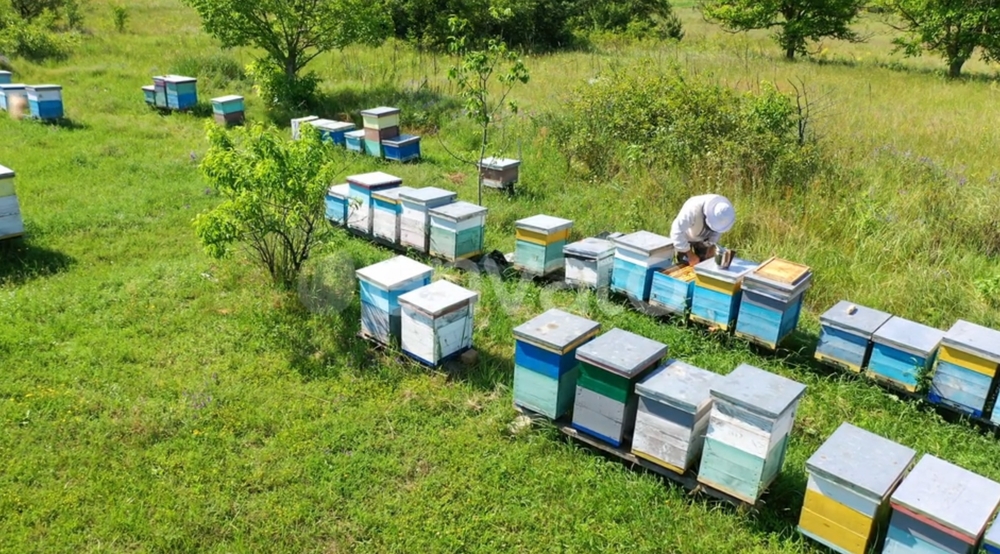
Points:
x=479, y=66
x=797, y=21
x=272, y=191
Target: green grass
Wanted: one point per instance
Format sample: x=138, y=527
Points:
x=155, y=400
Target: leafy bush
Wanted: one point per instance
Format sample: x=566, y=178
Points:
x=35, y=39
x=634, y=17
x=119, y=16
x=276, y=89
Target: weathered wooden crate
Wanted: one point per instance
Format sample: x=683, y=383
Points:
x=637, y=257
x=11, y=91
x=753, y=412
x=545, y=364
x=851, y=478
x=772, y=301
x=672, y=289
x=383, y=117
x=540, y=239
x=11, y=223
x=672, y=416
x=456, y=230
x=717, y=292
x=845, y=338
x=610, y=366
x=355, y=140
x=940, y=508
x=361, y=188
x=182, y=92
x=381, y=286
x=385, y=215
x=966, y=368
x=589, y=263
x=5, y=77
x=333, y=131
x=902, y=352
x=499, y=173
x=149, y=94
x=414, y=217
x=338, y=202
x=297, y=125
x=437, y=322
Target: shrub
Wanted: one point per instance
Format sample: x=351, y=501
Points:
x=276, y=89
x=119, y=16
x=34, y=39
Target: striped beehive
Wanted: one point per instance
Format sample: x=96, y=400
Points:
x=752, y=415
x=456, y=230
x=355, y=140
x=717, y=292
x=845, y=338
x=545, y=364
x=149, y=94
x=851, y=477
x=940, y=508
x=402, y=148
x=379, y=124
x=437, y=322
x=385, y=215
x=333, y=131
x=5, y=77
x=902, y=352
x=637, y=257
x=11, y=224
x=538, y=249
x=674, y=403
x=228, y=110
x=160, y=91
x=772, y=301
x=672, y=288
x=414, y=216
x=610, y=366
x=338, y=204
x=991, y=540
x=11, y=91
x=381, y=286
x=965, y=369
x=499, y=173
x=361, y=187
x=297, y=125
x=182, y=92
x=589, y=262
x=45, y=101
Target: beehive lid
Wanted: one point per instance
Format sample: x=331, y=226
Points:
x=339, y=190
x=438, y=297
x=949, y=495
x=909, y=336
x=737, y=270
x=499, y=163
x=12, y=86
x=304, y=119
x=394, y=272
x=590, y=248
x=381, y=111
x=680, y=385
x=391, y=195
x=645, y=242
x=375, y=179
x=401, y=140
x=458, y=211
x=149, y=88
x=850, y=317
x=355, y=134
x=8, y=73
x=428, y=195
x=555, y=330
x=179, y=79
x=6, y=172
x=974, y=339
x=545, y=224
x=622, y=352
x=759, y=391
x=859, y=459
x=228, y=98
x=45, y=87
x=332, y=125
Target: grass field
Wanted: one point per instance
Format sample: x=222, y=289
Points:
x=155, y=400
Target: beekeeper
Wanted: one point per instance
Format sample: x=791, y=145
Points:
x=699, y=226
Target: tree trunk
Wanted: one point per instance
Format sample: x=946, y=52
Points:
x=955, y=67
x=291, y=66
x=789, y=52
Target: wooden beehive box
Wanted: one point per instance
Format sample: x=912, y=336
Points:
x=589, y=262
x=381, y=286
x=752, y=415
x=381, y=118
x=637, y=257
x=991, y=540
x=297, y=125
x=717, y=292
x=9, y=92
x=149, y=94
x=45, y=101
x=540, y=239
x=545, y=364
x=940, y=508
x=851, y=478
x=159, y=91
x=182, y=92
x=11, y=223
x=902, y=351
x=456, y=230
x=385, y=216
x=966, y=368
x=414, y=217
x=672, y=288
x=437, y=322
x=499, y=173
x=355, y=140
x=333, y=131
x=772, y=301
x=845, y=338
x=338, y=204
x=672, y=416
x=5, y=77
x=402, y=148
x=228, y=110
x=373, y=147
x=610, y=366
x=361, y=188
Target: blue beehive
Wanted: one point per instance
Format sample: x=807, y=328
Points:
x=772, y=301
x=717, y=292
x=8, y=92
x=337, y=204
x=966, y=368
x=402, y=148
x=182, y=92
x=545, y=364
x=149, y=94
x=45, y=101
x=845, y=338
x=673, y=289
x=333, y=131
x=354, y=140
x=637, y=257
x=902, y=351
x=5, y=77
x=381, y=286
x=991, y=540
x=228, y=110
x=362, y=186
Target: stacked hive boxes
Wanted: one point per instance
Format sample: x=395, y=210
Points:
x=845, y=338
x=851, y=477
x=673, y=288
x=338, y=204
x=381, y=286
x=297, y=124
x=45, y=101
x=540, y=242
x=902, y=352
x=545, y=363
x=9, y=93
x=940, y=508
x=228, y=110
x=589, y=262
x=379, y=124
x=5, y=77
x=965, y=369
x=637, y=257
x=361, y=188
x=674, y=403
x=752, y=415
x=437, y=322
x=499, y=173
x=11, y=224
x=414, y=215
x=385, y=215
x=772, y=301
x=717, y=292
x=610, y=366
x=456, y=230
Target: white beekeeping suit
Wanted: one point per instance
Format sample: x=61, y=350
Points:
x=701, y=222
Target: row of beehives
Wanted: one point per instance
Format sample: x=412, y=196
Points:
x=11, y=224
x=42, y=101
x=736, y=428
x=379, y=137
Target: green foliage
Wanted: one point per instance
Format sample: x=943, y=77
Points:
x=119, y=17
x=272, y=191
x=36, y=38
x=31, y=9
x=278, y=90
x=635, y=17
x=215, y=69
x=797, y=21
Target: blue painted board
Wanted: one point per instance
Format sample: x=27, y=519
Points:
x=899, y=367
x=543, y=394
x=631, y=279
x=402, y=148
x=543, y=361
x=909, y=536
x=671, y=293
x=960, y=388
x=766, y=319
x=52, y=109
x=354, y=140
x=714, y=306
x=537, y=258
x=848, y=348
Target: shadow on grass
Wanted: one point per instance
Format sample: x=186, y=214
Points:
x=21, y=261
x=65, y=123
